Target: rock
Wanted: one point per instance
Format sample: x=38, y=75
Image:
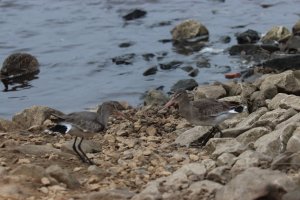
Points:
x=12, y=191
x=248, y=37
x=226, y=159
x=255, y=183
x=278, y=115
x=249, y=159
x=155, y=97
x=257, y=100
x=196, y=171
x=194, y=72
x=150, y=71
x=276, y=33
x=19, y=64
x=219, y=174
x=268, y=89
x=186, y=84
x=293, y=144
x=283, y=63
x=217, y=146
x=135, y=14
x=101, y=173
x=286, y=101
x=293, y=195
x=170, y=65
x=296, y=28
x=253, y=117
x=151, y=191
x=286, y=161
x=275, y=142
x=126, y=59
x=115, y=194
x=7, y=126
x=235, y=132
x=210, y=91
x=248, y=49
x=30, y=170
x=293, y=44
x=293, y=119
x=34, y=116
x=188, y=29
x=252, y=135
x=88, y=146
x=225, y=39
x=126, y=44
x=191, y=135
x=202, y=189
x=187, y=68
x=63, y=176
x=38, y=150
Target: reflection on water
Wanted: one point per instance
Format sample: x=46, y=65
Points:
x=18, y=83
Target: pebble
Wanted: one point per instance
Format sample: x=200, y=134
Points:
x=23, y=161
x=194, y=157
x=44, y=190
x=45, y=181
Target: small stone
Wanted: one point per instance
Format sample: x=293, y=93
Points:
x=151, y=130
x=23, y=161
x=44, y=190
x=45, y=181
x=76, y=169
x=194, y=157
x=147, y=152
x=56, y=188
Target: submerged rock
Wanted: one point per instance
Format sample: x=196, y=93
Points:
x=135, y=14
x=248, y=37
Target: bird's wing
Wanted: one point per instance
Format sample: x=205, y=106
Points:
x=210, y=107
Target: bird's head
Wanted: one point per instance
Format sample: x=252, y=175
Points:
x=178, y=97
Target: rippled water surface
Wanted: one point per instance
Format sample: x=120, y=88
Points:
x=74, y=41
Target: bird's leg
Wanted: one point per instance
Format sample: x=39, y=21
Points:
x=219, y=130
x=79, y=155
x=88, y=160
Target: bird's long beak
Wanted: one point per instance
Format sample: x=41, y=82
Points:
x=168, y=104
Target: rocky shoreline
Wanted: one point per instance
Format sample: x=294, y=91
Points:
x=150, y=158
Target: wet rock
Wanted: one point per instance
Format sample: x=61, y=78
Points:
x=252, y=135
x=115, y=194
x=187, y=68
x=155, y=97
x=226, y=159
x=249, y=159
x=293, y=144
x=126, y=59
x=286, y=101
x=286, y=62
x=194, y=72
x=191, y=135
x=195, y=171
x=217, y=146
x=19, y=64
x=6, y=125
x=148, y=56
x=88, y=146
x=276, y=33
x=63, y=176
x=170, y=65
x=150, y=71
x=135, y=14
x=203, y=62
x=275, y=142
x=225, y=39
x=247, y=49
x=210, y=91
x=186, y=84
x=34, y=116
x=188, y=29
x=126, y=44
x=30, y=170
x=220, y=174
x=248, y=37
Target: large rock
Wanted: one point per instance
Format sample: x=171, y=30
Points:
x=191, y=135
x=63, y=176
x=282, y=100
x=274, y=143
x=188, y=29
x=217, y=146
x=202, y=189
x=252, y=135
x=19, y=64
x=276, y=33
x=219, y=174
x=293, y=144
x=288, y=81
x=34, y=116
x=278, y=115
x=252, y=118
x=293, y=119
x=248, y=159
x=254, y=184
x=210, y=91
x=286, y=160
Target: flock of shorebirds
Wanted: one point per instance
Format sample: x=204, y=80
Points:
x=204, y=112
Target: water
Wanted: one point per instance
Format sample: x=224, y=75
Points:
x=75, y=40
